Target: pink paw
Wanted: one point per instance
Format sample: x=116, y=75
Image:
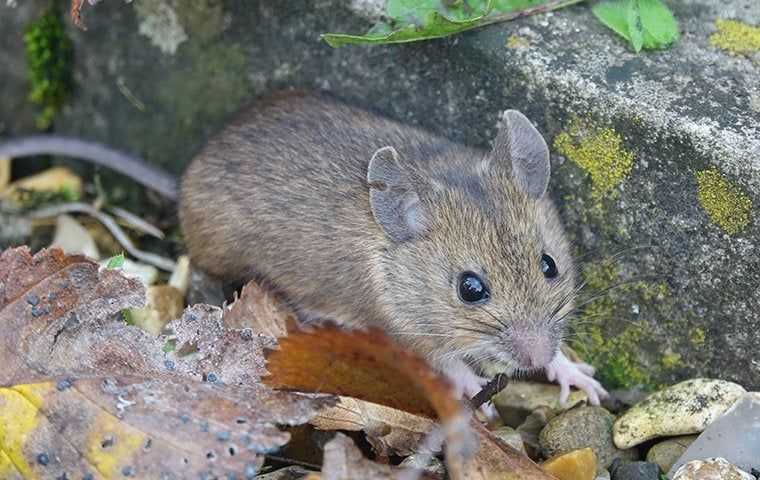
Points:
x=570, y=374
x=468, y=384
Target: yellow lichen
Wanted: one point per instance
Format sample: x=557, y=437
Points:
x=599, y=152
x=697, y=337
x=516, y=41
x=737, y=38
x=725, y=203
x=671, y=360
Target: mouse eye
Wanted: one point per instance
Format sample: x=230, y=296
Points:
x=548, y=267
x=472, y=289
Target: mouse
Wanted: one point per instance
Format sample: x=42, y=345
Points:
x=456, y=252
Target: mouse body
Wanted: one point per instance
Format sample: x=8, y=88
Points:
x=455, y=251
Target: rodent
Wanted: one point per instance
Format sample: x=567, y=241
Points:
x=455, y=251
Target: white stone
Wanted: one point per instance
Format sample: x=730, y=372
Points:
x=73, y=238
x=685, y=408
x=711, y=469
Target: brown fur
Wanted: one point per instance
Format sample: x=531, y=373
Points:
x=281, y=195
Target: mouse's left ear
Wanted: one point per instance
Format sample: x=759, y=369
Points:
x=393, y=199
x=522, y=148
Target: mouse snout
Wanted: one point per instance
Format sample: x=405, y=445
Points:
x=533, y=351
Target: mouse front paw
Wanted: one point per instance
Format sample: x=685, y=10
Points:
x=571, y=374
x=467, y=384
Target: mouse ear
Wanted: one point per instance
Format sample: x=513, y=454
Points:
x=519, y=143
x=394, y=202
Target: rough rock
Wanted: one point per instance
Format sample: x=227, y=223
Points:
x=511, y=437
x=634, y=471
x=711, y=469
x=735, y=436
x=681, y=409
x=515, y=402
x=580, y=428
x=426, y=463
x=666, y=453
x=688, y=118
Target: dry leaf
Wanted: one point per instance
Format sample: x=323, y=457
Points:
x=363, y=364
x=343, y=461
x=76, y=13
x=389, y=431
x=51, y=180
x=5, y=172
x=140, y=428
x=259, y=309
x=57, y=321
x=164, y=304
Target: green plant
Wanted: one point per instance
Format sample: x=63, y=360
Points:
x=645, y=23
x=49, y=55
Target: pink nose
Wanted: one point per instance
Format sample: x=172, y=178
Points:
x=534, y=352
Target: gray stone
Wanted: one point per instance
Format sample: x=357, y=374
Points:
x=580, y=428
x=620, y=470
x=684, y=408
x=678, y=112
x=711, y=469
x=735, y=436
x=518, y=399
x=511, y=437
x=666, y=453
x=426, y=463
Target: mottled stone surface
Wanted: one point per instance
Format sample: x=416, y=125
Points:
x=684, y=408
x=666, y=453
x=711, y=469
x=659, y=150
x=735, y=437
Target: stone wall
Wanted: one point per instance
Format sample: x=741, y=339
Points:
x=656, y=156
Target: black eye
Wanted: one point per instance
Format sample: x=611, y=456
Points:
x=548, y=267
x=472, y=289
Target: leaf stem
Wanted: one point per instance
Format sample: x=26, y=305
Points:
x=543, y=8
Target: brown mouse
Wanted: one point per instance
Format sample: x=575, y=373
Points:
x=455, y=251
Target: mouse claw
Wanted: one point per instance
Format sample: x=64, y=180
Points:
x=570, y=374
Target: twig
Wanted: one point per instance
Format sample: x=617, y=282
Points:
x=493, y=387
x=543, y=8
x=151, y=258
x=137, y=223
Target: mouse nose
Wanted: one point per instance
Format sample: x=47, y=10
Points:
x=534, y=352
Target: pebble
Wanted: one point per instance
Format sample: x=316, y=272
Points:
x=735, y=436
x=711, y=469
x=583, y=427
x=620, y=470
x=575, y=465
x=684, y=408
x=519, y=399
x=511, y=437
x=666, y=453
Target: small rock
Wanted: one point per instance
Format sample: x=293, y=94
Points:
x=735, y=436
x=603, y=475
x=519, y=399
x=711, y=469
x=510, y=436
x=666, y=453
x=73, y=238
x=583, y=427
x=531, y=428
x=575, y=465
x=425, y=463
x=684, y=408
x=620, y=470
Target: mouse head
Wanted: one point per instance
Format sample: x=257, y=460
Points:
x=477, y=266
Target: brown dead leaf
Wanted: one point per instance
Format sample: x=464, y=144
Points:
x=76, y=13
x=363, y=364
x=389, y=431
x=497, y=459
x=344, y=461
x=116, y=428
x=57, y=322
x=260, y=310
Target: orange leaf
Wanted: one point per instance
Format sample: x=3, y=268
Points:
x=363, y=364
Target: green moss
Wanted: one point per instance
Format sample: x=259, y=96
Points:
x=599, y=152
x=697, y=337
x=737, y=38
x=49, y=56
x=725, y=203
x=671, y=360
x=202, y=19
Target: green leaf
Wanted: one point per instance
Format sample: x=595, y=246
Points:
x=660, y=27
x=647, y=24
x=413, y=20
x=117, y=261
